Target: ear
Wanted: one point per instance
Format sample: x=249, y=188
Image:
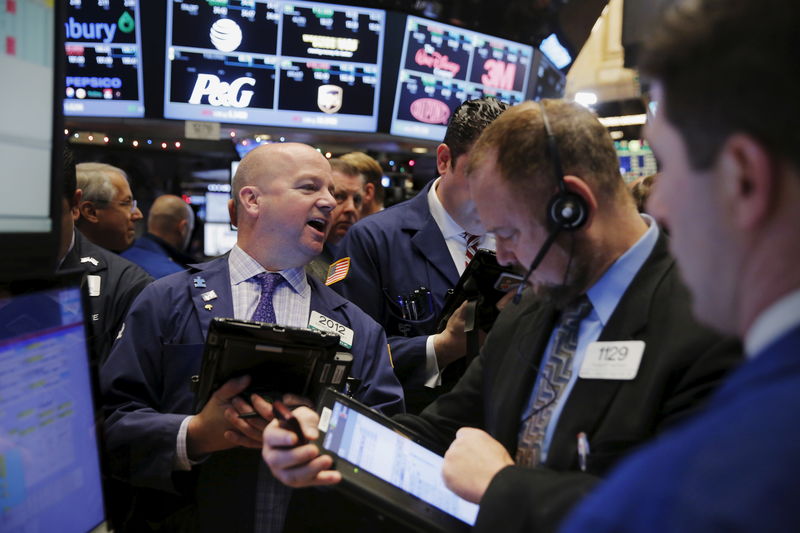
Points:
x=248, y=201
x=444, y=159
x=577, y=186
x=87, y=211
x=369, y=193
x=749, y=180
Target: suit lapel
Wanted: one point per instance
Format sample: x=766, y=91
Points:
x=427, y=238
x=590, y=398
x=205, y=278
x=520, y=363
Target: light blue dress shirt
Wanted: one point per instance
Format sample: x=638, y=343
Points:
x=605, y=294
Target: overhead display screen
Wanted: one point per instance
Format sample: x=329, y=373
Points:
x=301, y=64
x=442, y=66
x=103, y=67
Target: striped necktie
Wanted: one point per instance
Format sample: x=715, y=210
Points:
x=472, y=246
x=265, y=312
x=551, y=382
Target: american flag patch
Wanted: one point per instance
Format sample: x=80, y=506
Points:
x=338, y=271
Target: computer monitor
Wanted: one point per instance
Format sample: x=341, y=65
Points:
x=272, y=62
x=103, y=52
x=49, y=463
x=442, y=66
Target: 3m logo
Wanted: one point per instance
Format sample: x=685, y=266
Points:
x=222, y=93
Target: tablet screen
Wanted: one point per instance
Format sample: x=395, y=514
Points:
x=393, y=458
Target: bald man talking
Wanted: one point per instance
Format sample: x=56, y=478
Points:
x=161, y=251
x=202, y=472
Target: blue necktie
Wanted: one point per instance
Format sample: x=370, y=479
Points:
x=552, y=380
x=265, y=312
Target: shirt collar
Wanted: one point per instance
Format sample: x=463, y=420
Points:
x=772, y=323
x=606, y=293
x=447, y=225
x=243, y=267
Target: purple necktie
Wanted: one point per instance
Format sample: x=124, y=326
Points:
x=265, y=312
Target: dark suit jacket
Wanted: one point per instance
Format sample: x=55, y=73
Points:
x=392, y=253
x=682, y=363
x=732, y=468
x=146, y=384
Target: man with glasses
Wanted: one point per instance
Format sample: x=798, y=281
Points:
x=348, y=191
x=108, y=211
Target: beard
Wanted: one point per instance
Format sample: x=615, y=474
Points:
x=576, y=278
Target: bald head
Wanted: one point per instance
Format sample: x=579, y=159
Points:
x=172, y=220
x=283, y=197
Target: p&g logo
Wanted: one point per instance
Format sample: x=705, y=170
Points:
x=221, y=93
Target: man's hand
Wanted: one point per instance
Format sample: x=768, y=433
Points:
x=248, y=430
x=208, y=430
x=451, y=344
x=471, y=462
x=298, y=466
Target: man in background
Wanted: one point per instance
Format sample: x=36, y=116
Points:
x=107, y=210
x=111, y=282
x=348, y=191
x=372, y=173
x=729, y=190
x=423, y=245
x=201, y=472
x=161, y=251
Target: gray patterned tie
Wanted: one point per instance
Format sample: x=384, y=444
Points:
x=265, y=312
x=551, y=382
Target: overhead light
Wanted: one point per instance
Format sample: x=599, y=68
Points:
x=624, y=120
x=616, y=135
x=419, y=150
x=585, y=99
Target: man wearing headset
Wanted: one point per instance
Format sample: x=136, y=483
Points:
x=599, y=355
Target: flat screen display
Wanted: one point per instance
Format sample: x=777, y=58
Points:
x=395, y=459
x=441, y=66
x=550, y=81
x=103, y=52
x=276, y=63
x=49, y=467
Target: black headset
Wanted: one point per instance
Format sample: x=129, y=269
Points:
x=566, y=211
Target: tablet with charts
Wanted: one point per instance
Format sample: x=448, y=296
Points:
x=387, y=467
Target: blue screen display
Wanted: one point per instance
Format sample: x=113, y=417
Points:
x=49, y=467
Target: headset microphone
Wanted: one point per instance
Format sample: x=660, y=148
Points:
x=535, y=263
x=566, y=211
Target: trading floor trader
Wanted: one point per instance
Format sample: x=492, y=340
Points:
x=423, y=245
x=203, y=472
x=550, y=404
x=729, y=190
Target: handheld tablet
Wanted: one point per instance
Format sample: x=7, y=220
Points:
x=385, y=466
x=279, y=359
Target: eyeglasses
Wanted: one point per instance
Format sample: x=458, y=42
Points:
x=130, y=204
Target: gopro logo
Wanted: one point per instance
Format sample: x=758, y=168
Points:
x=221, y=93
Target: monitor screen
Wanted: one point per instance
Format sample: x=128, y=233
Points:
x=218, y=238
x=49, y=467
x=300, y=64
x=550, y=82
x=103, y=52
x=441, y=66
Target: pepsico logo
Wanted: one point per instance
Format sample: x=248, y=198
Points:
x=430, y=111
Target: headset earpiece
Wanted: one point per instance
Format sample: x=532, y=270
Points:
x=567, y=211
